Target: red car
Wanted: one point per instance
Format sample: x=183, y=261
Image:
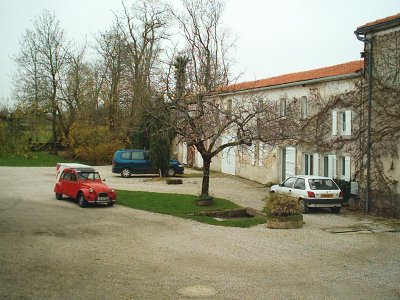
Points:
x=85, y=185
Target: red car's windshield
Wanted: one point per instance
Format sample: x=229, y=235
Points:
x=88, y=175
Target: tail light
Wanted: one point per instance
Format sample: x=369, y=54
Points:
x=341, y=194
x=310, y=194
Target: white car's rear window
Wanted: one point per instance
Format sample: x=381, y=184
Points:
x=322, y=184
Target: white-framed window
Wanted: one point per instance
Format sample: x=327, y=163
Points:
x=346, y=122
x=330, y=166
x=308, y=164
x=304, y=107
x=345, y=168
x=311, y=164
x=341, y=122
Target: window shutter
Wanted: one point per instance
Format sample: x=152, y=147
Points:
x=348, y=123
x=316, y=164
x=332, y=166
x=334, y=122
x=304, y=107
x=347, y=168
x=282, y=107
x=184, y=153
x=261, y=154
x=253, y=155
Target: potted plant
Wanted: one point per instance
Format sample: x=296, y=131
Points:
x=283, y=212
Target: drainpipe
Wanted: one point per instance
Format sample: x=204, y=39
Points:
x=368, y=193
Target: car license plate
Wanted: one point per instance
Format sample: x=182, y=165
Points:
x=326, y=196
x=102, y=199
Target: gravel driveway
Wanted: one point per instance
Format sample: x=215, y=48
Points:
x=53, y=249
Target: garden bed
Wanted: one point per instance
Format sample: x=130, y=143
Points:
x=233, y=213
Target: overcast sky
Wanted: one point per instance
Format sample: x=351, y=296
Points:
x=273, y=37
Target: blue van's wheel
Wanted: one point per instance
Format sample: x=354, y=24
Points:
x=171, y=172
x=126, y=173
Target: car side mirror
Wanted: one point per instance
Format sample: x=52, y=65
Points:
x=280, y=184
x=104, y=179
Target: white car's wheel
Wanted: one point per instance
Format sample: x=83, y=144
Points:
x=303, y=207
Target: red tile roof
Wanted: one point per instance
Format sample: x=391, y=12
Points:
x=337, y=70
x=380, y=21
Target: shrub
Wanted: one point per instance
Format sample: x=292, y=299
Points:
x=93, y=144
x=345, y=186
x=13, y=140
x=282, y=206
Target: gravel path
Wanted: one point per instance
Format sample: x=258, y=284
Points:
x=53, y=249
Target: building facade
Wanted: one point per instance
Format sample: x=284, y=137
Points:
x=381, y=178
x=349, y=116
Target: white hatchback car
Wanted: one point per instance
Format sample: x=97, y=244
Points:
x=312, y=191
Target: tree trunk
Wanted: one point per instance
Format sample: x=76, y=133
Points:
x=206, y=177
x=54, y=129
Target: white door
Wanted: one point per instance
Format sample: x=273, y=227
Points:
x=199, y=160
x=184, y=153
x=290, y=161
x=228, y=160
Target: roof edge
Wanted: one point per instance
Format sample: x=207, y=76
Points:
x=378, y=25
x=295, y=83
x=252, y=85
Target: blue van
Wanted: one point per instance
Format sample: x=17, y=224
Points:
x=128, y=162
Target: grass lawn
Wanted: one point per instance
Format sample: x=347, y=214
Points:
x=35, y=159
x=183, y=206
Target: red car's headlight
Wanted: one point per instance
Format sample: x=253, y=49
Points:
x=91, y=190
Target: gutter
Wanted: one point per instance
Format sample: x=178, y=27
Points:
x=366, y=40
x=291, y=84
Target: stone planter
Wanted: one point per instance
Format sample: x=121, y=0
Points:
x=289, y=222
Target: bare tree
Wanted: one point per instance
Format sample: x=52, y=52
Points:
x=207, y=117
x=111, y=48
x=74, y=92
x=43, y=57
x=130, y=63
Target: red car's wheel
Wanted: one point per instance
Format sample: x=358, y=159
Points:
x=81, y=200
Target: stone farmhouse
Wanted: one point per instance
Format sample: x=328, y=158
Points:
x=351, y=118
